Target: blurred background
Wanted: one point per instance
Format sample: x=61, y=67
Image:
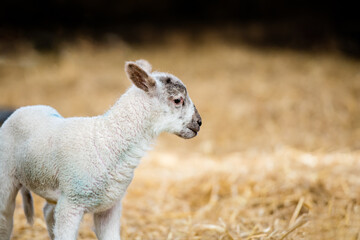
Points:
x=277, y=84
x=300, y=24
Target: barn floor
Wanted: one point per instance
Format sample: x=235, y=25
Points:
x=278, y=156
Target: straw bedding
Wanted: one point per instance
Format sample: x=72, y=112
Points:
x=277, y=158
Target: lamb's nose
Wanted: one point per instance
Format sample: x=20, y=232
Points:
x=199, y=122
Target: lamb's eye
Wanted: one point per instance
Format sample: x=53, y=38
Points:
x=178, y=101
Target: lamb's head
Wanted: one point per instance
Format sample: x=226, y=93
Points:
x=176, y=113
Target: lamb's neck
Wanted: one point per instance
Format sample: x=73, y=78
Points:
x=128, y=127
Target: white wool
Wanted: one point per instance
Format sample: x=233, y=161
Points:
x=85, y=164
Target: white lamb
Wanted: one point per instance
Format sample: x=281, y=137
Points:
x=84, y=165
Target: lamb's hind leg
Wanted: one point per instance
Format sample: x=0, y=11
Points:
x=49, y=210
x=8, y=191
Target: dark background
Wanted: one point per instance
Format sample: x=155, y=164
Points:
x=277, y=23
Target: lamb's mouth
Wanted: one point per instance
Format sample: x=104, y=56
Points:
x=195, y=131
x=188, y=134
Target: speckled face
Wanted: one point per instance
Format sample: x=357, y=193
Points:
x=184, y=117
x=173, y=86
x=175, y=111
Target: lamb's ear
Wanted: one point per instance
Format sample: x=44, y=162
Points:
x=139, y=76
x=144, y=65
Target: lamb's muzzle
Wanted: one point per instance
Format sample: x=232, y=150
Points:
x=195, y=123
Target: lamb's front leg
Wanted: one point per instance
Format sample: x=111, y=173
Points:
x=107, y=223
x=49, y=210
x=67, y=219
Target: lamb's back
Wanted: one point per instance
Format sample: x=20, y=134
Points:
x=28, y=121
x=40, y=132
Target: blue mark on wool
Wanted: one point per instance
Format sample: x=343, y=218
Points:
x=106, y=114
x=56, y=115
x=84, y=190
